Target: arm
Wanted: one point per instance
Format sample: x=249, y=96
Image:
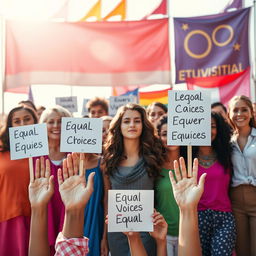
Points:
x=40, y=193
x=187, y=194
x=74, y=194
x=107, y=186
x=159, y=233
x=135, y=244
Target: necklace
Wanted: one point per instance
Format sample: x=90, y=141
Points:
x=207, y=161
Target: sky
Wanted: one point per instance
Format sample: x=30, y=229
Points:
x=136, y=9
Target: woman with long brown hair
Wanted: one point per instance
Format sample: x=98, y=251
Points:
x=133, y=156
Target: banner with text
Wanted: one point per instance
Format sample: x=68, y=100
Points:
x=82, y=135
x=189, y=118
x=117, y=101
x=130, y=210
x=213, y=45
x=70, y=103
x=28, y=141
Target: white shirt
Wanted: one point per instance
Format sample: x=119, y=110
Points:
x=244, y=163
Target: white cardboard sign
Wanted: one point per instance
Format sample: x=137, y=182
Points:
x=28, y=141
x=189, y=118
x=117, y=101
x=130, y=210
x=81, y=135
x=70, y=103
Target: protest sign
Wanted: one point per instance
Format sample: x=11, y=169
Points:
x=82, y=135
x=85, y=111
x=117, y=101
x=130, y=210
x=189, y=118
x=28, y=141
x=70, y=103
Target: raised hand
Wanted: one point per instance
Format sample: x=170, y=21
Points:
x=160, y=226
x=72, y=185
x=187, y=192
x=41, y=184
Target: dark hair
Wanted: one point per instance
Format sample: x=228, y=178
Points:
x=219, y=104
x=97, y=101
x=151, y=147
x=158, y=104
x=248, y=102
x=28, y=103
x=4, y=134
x=221, y=144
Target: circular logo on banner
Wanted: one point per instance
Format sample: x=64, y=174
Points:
x=208, y=39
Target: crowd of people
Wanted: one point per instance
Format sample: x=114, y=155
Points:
x=64, y=211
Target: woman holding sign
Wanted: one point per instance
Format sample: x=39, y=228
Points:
x=14, y=181
x=56, y=211
x=132, y=160
x=243, y=191
x=216, y=221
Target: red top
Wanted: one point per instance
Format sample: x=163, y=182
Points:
x=14, y=181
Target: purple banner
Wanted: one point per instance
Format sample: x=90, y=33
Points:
x=214, y=45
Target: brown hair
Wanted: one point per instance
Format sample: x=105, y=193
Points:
x=248, y=102
x=151, y=147
x=4, y=134
x=97, y=101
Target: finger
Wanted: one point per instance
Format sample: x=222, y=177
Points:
x=172, y=179
x=60, y=178
x=90, y=182
x=81, y=165
x=42, y=167
x=31, y=170
x=64, y=169
x=47, y=168
x=202, y=181
x=37, y=169
x=70, y=165
x=51, y=184
x=183, y=167
x=76, y=161
x=177, y=170
x=195, y=169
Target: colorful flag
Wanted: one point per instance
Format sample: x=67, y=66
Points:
x=237, y=4
x=87, y=53
x=211, y=45
x=147, y=98
x=120, y=9
x=161, y=9
x=95, y=11
x=223, y=88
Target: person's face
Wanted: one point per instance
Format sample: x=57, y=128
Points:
x=131, y=125
x=163, y=134
x=220, y=110
x=97, y=111
x=22, y=117
x=53, y=123
x=105, y=130
x=240, y=114
x=155, y=113
x=213, y=129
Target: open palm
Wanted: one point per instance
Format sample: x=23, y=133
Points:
x=186, y=190
x=41, y=185
x=72, y=186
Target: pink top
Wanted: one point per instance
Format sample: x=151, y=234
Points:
x=215, y=196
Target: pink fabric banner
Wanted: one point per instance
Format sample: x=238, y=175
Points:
x=223, y=88
x=95, y=53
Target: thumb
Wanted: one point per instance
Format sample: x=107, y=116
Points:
x=90, y=182
x=202, y=181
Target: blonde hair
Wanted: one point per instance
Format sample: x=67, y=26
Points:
x=63, y=112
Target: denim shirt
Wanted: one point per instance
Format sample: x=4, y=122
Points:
x=244, y=163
